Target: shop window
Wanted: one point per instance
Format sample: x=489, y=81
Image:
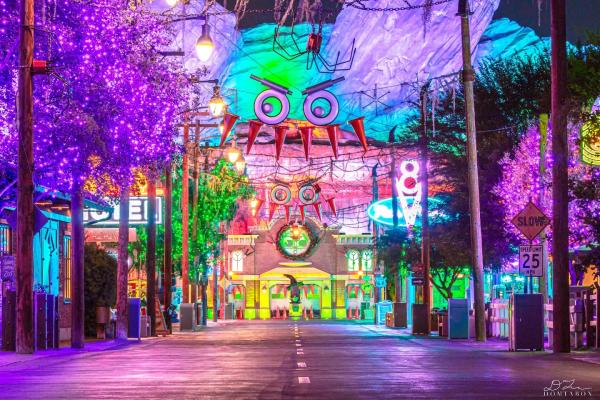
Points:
x=237, y=261
x=4, y=239
x=367, y=260
x=353, y=260
x=67, y=263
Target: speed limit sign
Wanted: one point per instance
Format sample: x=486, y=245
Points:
x=530, y=260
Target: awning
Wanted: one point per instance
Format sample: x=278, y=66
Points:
x=300, y=273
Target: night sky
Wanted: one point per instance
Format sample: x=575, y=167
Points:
x=583, y=15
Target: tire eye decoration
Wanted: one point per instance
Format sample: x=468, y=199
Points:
x=263, y=108
x=281, y=194
x=317, y=115
x=309, y=194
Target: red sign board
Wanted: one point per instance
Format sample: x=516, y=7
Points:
x=531, y=221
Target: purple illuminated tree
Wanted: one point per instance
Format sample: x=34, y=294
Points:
x=108, y=106
x=521, y=181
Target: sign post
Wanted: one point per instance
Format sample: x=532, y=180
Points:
x=531, y=221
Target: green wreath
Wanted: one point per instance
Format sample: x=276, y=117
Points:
x=296, y=248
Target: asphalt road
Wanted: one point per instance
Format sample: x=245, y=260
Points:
x=297, y=360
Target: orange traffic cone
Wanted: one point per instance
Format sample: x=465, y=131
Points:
x=304, y=312
x=285, y=315
x=348, y=313
x=356, y=313
x=312, y=315
x=277, y=315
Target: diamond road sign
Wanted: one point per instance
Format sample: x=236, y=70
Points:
x=531, y=221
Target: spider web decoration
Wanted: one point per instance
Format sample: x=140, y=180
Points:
x=375, y=99
x=291, y=49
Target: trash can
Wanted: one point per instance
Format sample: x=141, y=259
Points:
x=382, y=308
x=134, y=317
x=526, y=319
x=400, y=315
x=229, y=311
x=458, y=319
x=187, y=316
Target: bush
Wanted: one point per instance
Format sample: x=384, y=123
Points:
x=100, y=284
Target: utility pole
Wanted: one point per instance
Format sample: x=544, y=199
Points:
x=424, y=180
x=560, y=189
x=151, y=255
x=77, y=266
x=123, y=266
x=185, y=197
x=468, y=75
x=25, y=210
x=541, y=201
x=168, y=240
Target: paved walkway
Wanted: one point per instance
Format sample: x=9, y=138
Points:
x=286, y=359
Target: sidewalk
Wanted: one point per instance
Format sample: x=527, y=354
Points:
x=495, y=345
x=9, y=358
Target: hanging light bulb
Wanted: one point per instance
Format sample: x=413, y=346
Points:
x=171, y=3
x=233, y=153
x=216, y=105
x=204, y=44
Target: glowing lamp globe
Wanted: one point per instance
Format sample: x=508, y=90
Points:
x=216, y=105
x=171, y=3
x=204, y=45
x=240, y=166
x=233, y=154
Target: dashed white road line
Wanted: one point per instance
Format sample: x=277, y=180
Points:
x=301, y=365
x=303, y=379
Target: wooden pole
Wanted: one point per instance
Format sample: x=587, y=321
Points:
x=77, y=267
x=473, y=174
x=151, y=254
x=393, y=178
x=424, y=181
x=168, y=240
x=25, y=210
x=195, y=180
x=185, y=197
x=541, y=201
x=560, y=189
x=123, y=265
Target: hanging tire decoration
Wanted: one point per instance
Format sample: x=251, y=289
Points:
x=264, y=109
x=281, y=194
x=317, y=115
x=308, y=194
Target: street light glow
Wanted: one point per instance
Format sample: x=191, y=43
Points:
x=204, y=45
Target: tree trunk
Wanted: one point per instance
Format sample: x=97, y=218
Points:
x=168, y=240
x=123, y=265
x=185, y=197
x=424, y=180
x=25, y=209
x=204, y=283
x=151, y=255
x=77, y=267
x=215, y=293
x=473, y=175
x=560, y=189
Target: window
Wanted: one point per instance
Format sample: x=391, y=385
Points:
x=353, y=260
x=67, y=257
x=367, y=260
x=4, y=239
x=237, y=261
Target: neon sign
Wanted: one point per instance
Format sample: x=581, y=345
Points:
x=138, y=213
x=409, y=191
